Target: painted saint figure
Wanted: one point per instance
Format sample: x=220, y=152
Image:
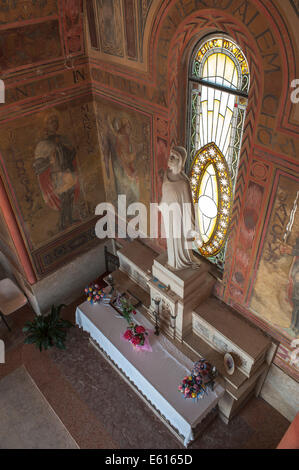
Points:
x=55, y=166
x=178, y=213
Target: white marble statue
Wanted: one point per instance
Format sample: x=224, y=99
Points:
x=178, y=213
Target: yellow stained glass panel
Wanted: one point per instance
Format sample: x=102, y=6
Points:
x=212, y=192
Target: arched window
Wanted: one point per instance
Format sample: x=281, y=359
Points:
x=218, y=84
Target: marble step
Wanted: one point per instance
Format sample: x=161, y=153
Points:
x=136, y=259
x=227, y=331
x=203, y=349
x=238, y=387
x=242, y=391
x=123, y=283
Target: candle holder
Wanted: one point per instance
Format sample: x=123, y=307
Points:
x=157, y=301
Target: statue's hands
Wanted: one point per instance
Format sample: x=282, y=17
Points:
x=196, y=238
x=198, y=241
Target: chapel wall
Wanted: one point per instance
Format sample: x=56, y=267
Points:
x=148, y=90
x=48, y=110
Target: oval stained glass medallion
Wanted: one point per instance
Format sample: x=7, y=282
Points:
x=212, y=194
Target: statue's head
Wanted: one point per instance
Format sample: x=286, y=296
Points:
x=177, y=159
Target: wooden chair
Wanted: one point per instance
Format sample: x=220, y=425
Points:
x=11, y=299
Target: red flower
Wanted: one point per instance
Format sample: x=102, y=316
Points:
x=134, y=312
x=128, y=335
x=136, y=340
x=140, y=329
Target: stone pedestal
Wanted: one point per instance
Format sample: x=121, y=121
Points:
x=179, y=293
x=136, y=260
x=216, y=330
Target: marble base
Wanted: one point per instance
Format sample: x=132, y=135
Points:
x=136, y=261
x=182, y=282
x=179, y=293
x=225, y=331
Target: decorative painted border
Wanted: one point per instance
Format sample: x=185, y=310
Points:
x=65, y=248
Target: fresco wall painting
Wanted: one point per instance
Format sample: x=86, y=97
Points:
x=46, y=169
x=19, y=94
x=130, y=29
x=72, y=21
x=110, y=27
x=277, y=271
x=143, y=12
x=18, y=45
x=92, y=24
x=53, y=161
x=116, y=31
x=22, y=10
x=125, y=137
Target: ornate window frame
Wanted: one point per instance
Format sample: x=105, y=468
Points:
x=198, y=146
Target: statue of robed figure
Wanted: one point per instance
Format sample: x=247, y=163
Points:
x=178, y=212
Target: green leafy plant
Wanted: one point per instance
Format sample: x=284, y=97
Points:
x=47, y=331
x=126, y=309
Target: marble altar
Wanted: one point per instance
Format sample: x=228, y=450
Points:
x=155, y=375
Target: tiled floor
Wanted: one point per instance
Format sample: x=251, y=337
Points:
x=26, y=419
x=101, y=411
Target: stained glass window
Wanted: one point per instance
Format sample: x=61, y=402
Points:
x=219, y=83
x=212, y=190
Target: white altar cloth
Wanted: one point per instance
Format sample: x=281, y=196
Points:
x=156, y=374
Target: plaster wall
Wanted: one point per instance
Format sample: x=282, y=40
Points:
x=281, y=391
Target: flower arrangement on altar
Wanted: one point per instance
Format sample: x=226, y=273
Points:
x=136, y=334
x=96, y=295
x=126, y=309
x=200, y=382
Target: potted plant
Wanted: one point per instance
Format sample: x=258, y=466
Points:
x=46, y=331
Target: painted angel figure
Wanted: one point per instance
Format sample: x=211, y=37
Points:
x=118, y=146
